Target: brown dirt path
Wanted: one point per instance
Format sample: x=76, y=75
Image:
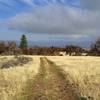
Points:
x=51, y=84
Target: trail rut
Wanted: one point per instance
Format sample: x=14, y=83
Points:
x=51, y=84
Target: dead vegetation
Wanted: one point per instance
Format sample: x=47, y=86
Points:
x=14, y=79
x=84, y=74
x=18, y=61
x=58, y=78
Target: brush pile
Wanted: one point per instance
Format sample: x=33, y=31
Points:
x=18, y=61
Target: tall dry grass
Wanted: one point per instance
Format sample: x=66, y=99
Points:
x=13, y=80
x=84, y=74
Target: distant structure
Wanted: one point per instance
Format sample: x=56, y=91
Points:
x=62, y=53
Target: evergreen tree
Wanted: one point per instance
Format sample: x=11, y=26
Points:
x=23, y=42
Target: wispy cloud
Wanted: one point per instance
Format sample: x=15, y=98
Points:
x=29, y=2
x=7, y=3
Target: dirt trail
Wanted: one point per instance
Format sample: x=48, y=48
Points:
x=51, y=84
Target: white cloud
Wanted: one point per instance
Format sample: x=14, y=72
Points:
x=58, y=19
x=54, y=19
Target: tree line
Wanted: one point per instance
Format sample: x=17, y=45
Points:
x=12, y=48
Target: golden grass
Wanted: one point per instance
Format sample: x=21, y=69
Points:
x=13, y=80
x=84, y=73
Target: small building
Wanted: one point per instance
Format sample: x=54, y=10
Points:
x=62, y=53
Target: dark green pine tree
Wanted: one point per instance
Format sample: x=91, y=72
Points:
x=23, y=42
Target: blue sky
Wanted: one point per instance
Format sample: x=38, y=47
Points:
x=76, y=21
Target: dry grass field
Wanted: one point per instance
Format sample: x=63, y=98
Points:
x=83, y=73
x=13, y=80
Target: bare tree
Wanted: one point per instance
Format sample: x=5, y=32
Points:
x=74, y=50
x=95, y=48
x=2, y=47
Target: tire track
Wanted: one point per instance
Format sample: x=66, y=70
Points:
x=60, y=84
x=51, y=84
